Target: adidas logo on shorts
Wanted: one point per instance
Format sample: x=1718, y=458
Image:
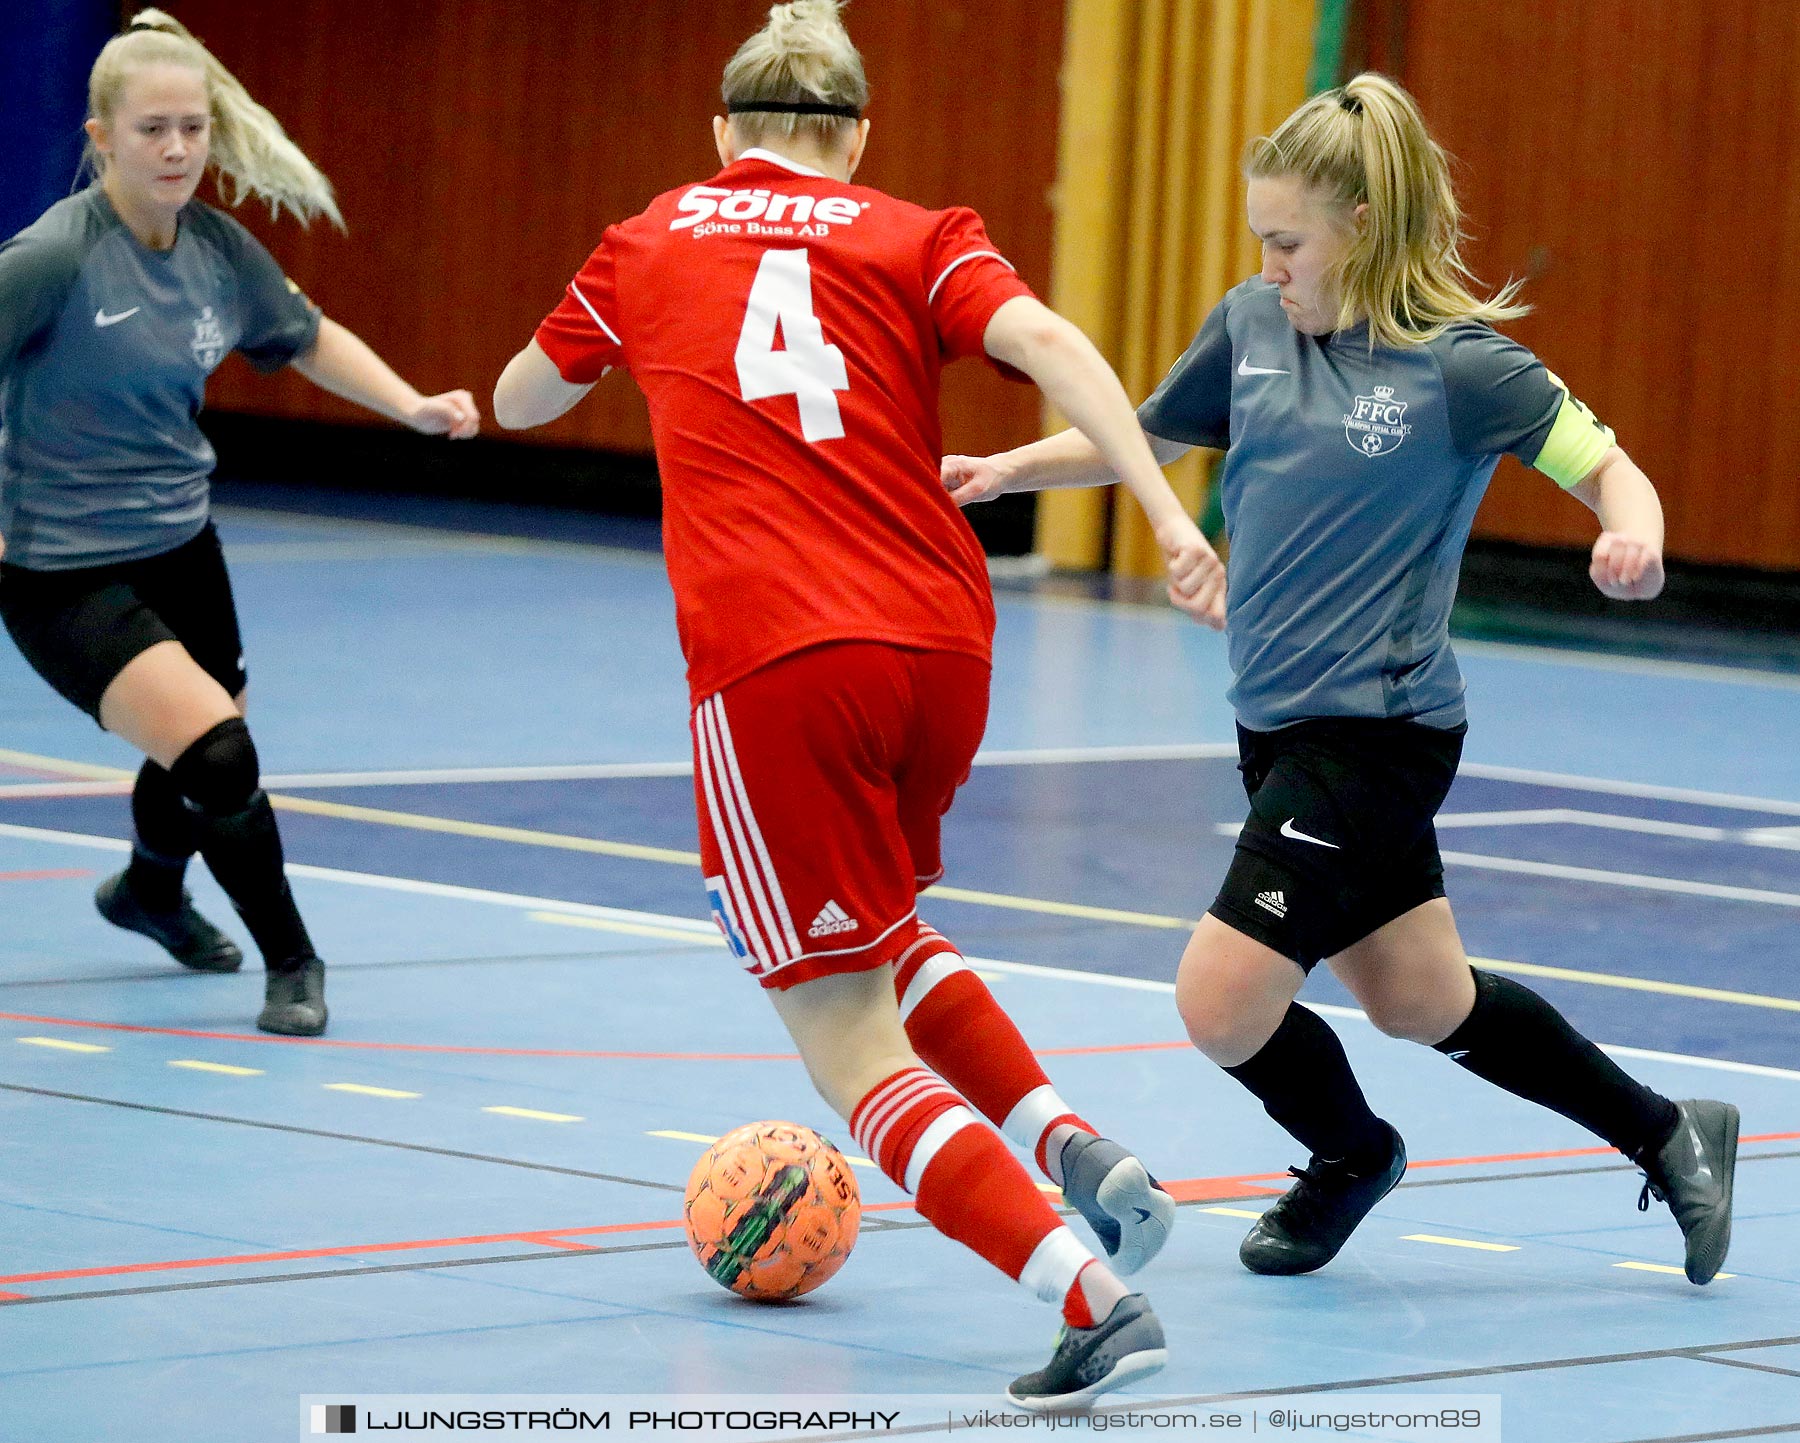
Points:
x=1272, y=902
x=832, y=919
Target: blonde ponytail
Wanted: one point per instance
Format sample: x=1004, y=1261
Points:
x=802, y=56
x=1366, y=143
x=249, y=147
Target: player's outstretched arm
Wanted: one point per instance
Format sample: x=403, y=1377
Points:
x=342, y=362
x=531, y=391
x=1029, y=336
x=1067, y=459
x=1627, y=562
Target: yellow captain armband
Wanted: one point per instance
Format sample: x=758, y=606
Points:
x=1577, y=442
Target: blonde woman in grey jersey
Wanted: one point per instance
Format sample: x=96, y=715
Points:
x=115, y=305
x=1363, y=399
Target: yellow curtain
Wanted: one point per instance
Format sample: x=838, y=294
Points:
x=1159, y=98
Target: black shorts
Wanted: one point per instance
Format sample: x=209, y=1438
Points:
x=1339, y=841
x=80, y=628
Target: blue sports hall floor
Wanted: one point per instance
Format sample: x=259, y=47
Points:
x=475, y=729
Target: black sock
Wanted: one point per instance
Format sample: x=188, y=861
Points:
x=166, y=836
x=243, y=850
x=1304, y=1082
x=1518, y=1041
x=219, y=774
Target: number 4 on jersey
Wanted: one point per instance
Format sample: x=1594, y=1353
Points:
x=808, y=369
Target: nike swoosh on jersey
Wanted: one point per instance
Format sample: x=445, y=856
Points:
x=102, y=320
x=1288, y=829
x=1246, y=369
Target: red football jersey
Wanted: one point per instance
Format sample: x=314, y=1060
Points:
x=788, y=330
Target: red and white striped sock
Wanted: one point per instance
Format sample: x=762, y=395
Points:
x=959, y=1031
x=968, y=1186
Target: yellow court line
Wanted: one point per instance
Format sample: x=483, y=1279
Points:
x=1459, y=1243
x=1641, y=984
x=630, y=929
x=1232, y=1212
x=56, y=766
x=224, y=1067
x=420, y=823
x=61, y=1045
x=1063, y=909
x=535, y=1116
x=366, y=1091
x=1665, y=1268
x=1042, y=906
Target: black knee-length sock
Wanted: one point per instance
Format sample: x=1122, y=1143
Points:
x=1303, y=1080
x=166, y=835
x=1516, y=1040
x=243, y=850
x=219, y=773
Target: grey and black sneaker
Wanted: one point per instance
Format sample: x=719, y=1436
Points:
x=1314, y=1218
x=294, y=1001
x=1127, y=1346
x=1128, y=1211
x=184, y=934
x=1693, y=1174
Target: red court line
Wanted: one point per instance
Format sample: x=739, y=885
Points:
x=56, y=875
x=1193, y=1189
x=1186, y=1190
x=542, y=1237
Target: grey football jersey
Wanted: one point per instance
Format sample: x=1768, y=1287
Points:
x=1349, y=484
x=105, y=347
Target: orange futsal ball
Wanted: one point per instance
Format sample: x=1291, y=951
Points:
x=772, y=1210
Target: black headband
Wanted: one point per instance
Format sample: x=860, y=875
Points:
x=1347, y=101
x=137, y=25
x=795, y=107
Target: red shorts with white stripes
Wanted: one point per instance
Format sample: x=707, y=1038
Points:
x=821, y=781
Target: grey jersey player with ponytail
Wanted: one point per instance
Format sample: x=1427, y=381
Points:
x=1362, y=399
x=115, y=306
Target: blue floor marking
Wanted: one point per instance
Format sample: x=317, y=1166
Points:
x=376, y=648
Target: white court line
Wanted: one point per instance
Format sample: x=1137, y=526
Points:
x=1635, y=665
x=1158, y=609
x=1630, y=789
x=1173, y=751
x=405, y=884
x=688, y=924
x=1476, y=860
x=442, y=537
x=1575, y=817
x=1639, y=881
x=1636, y=880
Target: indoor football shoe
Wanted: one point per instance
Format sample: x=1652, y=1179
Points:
x=1693, y=1174
x=184, y=934
x=1091, y=1361
x=1314, y=1218
x=1123, y=1204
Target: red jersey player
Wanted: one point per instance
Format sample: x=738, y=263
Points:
x=788, y=329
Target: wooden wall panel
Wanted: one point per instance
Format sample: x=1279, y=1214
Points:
x=479, y=149
x=1640, y=163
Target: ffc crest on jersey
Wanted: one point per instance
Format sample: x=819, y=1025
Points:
x=209, y=340
x=1378, y=424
